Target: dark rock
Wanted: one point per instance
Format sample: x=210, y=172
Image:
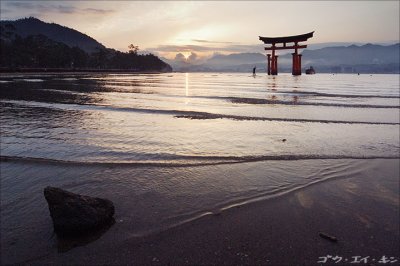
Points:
x=74, y=214
x=283, y=140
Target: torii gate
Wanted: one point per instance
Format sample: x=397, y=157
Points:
x=273, y=59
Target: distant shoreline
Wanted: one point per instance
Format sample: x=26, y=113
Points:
x=129, y=71
x=75, y=70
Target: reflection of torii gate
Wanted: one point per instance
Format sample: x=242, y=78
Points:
x=273, y=59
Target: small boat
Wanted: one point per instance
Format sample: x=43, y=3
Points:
x=310, y=71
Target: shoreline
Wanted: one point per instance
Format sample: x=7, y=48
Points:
x=361, y=211
x=78, y=71
x=122, y=71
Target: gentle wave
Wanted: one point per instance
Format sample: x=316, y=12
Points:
x=132, y=88
x=266, y=101
x=29, y=80
x=199, y=160
x=204, y=115
x=194, y=115
x=313, y=93
x=252, y=198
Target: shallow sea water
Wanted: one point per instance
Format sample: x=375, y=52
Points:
x=169, y=148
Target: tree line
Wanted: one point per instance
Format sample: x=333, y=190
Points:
x=38, y=51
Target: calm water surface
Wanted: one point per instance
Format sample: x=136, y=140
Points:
x=179, y=117
x=168, y=148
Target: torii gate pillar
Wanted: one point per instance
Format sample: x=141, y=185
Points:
x=296, y=65
x=269, y=64
x=272, y=64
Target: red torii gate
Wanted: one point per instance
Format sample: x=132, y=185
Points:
x=273, y=59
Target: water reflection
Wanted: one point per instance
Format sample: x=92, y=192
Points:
x=71, y=89
x=187, y=88
x=52, y=92
x=273, y=85
x=39, y=117
x=187, y=84
x=65, y=244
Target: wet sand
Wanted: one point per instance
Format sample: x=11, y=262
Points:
x=361, y=212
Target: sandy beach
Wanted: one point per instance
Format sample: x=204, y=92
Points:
x=361, y=211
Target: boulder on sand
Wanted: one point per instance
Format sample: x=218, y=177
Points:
x=75, y=214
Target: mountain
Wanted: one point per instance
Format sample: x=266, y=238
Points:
x=33, y=26
x=238, y=62
x=33, y=44
x=219, y=60
x=364, y=54
x=367, y=58
x=315, y=46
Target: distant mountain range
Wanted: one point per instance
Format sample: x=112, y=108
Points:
x=33, y=44
x=367, y=58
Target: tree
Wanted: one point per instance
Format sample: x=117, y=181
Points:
x=133, y=49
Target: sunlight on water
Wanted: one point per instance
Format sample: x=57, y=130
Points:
x=187, y=88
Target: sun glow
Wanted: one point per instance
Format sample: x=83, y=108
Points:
x=186, y=54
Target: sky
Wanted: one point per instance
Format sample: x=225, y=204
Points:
x=201, y=28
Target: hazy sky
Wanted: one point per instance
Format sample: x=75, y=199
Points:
x=206, y=26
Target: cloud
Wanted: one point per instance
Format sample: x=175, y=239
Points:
x=180, y=57
x=192, y=57
x=5, y=10
x=20, y=4
x=246, y=48
x=97, y=11
x=177, y=48
x=53, y=8
x=61, y=9
x=206, y=41
x=234, y=48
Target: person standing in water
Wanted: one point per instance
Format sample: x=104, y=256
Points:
x=254, y=71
